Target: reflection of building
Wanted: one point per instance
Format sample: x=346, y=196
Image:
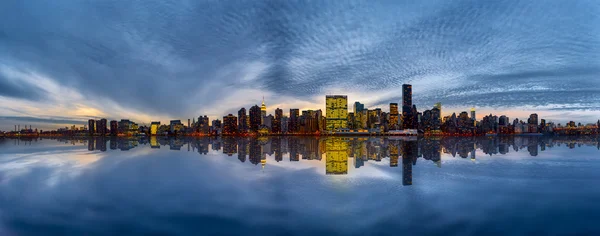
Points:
x=336, y=108
x=409, y=155
x=154, y=142
x=336, y=150
x=393, y=155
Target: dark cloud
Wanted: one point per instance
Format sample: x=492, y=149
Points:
x=20, y=89
x=49, y=120
x=167, y=57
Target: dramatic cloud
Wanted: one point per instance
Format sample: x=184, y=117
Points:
x=148, y=60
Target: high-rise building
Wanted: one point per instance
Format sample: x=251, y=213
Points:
x=277, y=121
x=294, y=121
x=154, y=127
x=242, y=121
x=393, y=121
x=230, y=124
x=101, y=127
x=114, y=127
x=407, y=111
x=176, y=126
x=203, y=124
x=438, y=105
x=255, y=118
x=336, y=108
x=91, y=127
x=358, y=107
x=473, y=117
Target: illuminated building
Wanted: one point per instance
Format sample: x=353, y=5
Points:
x=277, y=121
x=216, y=126
x=393, y=120
x=255, y=118
x=294, y=120
x=407, y=115
x=263, y=111
x=230, y=123
x=438, y=105
x=351, y=120
x=242, y=121
x=203, y=124
x=336, y=108
x=473, y=117
x=91, y=126
x=114, y=127
x=176, y=126
x=101, y=127
x=154, y=128
x=393, y=155
x=337, y=156
x=268, y=122
x=533, y=123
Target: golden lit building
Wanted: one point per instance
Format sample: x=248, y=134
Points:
x=154, y=128
x=337, y=156
x=336, y=111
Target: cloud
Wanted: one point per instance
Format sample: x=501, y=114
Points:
x=175, y=60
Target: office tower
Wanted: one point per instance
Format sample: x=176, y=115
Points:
x=293, y=122
x=351, y=120
x=473, y=117
x=255, y=118
x=336, y=108
x=216, y=125
x=438, y=105
x=154, y=128
x=358, y=107
x=533, y=123
x=189, y=123
x=176, y=126
x=203, y=124
x=114, y=127
x=91, y=126
x=393, y=121
x=407, y=116
x=277, y=121
x=101, y=127
x=242, y=121
x=230, y=124
x=337, y=156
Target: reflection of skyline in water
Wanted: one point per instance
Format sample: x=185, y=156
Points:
x=340, y=153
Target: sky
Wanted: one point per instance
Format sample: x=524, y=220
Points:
x=63, y=62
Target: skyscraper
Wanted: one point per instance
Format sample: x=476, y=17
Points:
x=242, y=121
x=438, y=105
x=473, y=117
x=293, y=121
x=336, y=108
x=114, y=128
x=255, y=118
x=393, y=124
x=154, y=127
x=358, y=107
x=101, y=127
x=230, y=124
x=407, y=115
x=91, y=126
x=263, y=111
x=277, y=121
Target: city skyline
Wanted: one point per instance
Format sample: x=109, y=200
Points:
x=157, y=62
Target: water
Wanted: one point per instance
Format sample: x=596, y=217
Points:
x=301, y=186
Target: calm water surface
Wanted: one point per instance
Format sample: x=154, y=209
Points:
x=300, y=186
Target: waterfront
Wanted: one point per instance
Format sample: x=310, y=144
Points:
x=300, y=185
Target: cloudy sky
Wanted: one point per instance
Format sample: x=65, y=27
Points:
x=62, y=62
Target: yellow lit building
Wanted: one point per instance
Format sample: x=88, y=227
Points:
x=336, y=111
x=154, y=128
x=337, y=156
